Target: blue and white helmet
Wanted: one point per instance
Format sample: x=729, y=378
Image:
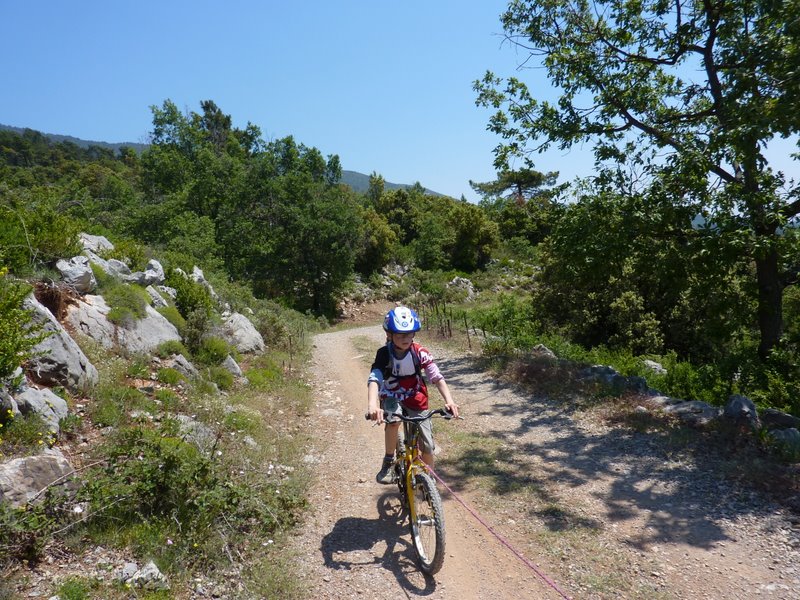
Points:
x=401, y=320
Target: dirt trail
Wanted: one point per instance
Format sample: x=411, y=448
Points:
x=612, y=515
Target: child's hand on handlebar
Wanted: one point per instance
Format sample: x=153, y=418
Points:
x=375, y=413
x=452, y=408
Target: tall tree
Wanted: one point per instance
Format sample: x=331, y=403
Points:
x=519, y=185
x=691, y=90
x=521, y=202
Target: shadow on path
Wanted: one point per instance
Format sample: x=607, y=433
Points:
x=664, y=477
x=351, y=542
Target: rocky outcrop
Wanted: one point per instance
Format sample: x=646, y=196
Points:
x=464, y=285
x=95, y=243
x=741, y=412
x=152, y=275
x=89, y=316
x=182, y=365
x=158, y=299
x=23, y=480
x=43, y=402
x=239, y=332
x=77, y=274
x=57, y=359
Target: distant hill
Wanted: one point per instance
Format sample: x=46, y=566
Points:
x=79, y=142
x=358, y=181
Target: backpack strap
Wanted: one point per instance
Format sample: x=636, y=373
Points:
x=384, y=358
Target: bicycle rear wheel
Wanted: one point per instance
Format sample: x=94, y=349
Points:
x=427, y=523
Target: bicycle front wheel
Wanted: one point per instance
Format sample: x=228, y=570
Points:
x=427, y=523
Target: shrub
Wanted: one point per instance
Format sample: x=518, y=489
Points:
x=152, y=483
x=197, y=325
x=170, y=348
x=213, y=351
x=128, y=303
x=138, y=367
x=221, y=376
x=170, y=376
x=26, y=531
x=112, y=401
x=105, y=281
x=190, y=295
x=263, y=377
x=130, y=252
x=35, y=231
x=23, y=434
x=238, y=420
x=170, y=401
x=75, y=588
x=18, y=335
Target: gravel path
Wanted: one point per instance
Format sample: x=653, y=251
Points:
x=605, y=511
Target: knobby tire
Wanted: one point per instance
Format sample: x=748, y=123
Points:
x=427, y=525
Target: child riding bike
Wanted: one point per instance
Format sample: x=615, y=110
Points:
x=396, y=385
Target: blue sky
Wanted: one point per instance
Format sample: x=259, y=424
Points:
x=385, y=85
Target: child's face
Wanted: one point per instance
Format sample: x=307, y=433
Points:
x=402, y=341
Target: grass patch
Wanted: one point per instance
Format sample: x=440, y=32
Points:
x=221, y=376
x=22, y=435
x=128, y=303
x=170, y=401
x=170, y=376
x=169, y=348
x=138, y=367
x=76, y=588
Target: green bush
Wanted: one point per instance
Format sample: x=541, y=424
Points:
x=170, y=348
x=18, y=335
x=190, y=295
x=197, y=325
x=170, y=376
x=75, y=588
x=138, y=367
x=26, y=531
x=105, y=281
x=112, y=402
x=35, y=231
x=222, y=377
x=23, y=434
x=241, y=421
x=152, y=485
x=261, y=378
x=213, y=351
x=170, y=401
x=131, y=252
x=128, y=303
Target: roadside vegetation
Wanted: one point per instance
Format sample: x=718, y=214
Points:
x=681, y=250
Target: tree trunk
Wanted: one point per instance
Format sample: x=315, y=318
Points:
x=770, y=303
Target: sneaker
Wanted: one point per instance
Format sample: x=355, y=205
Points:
x=385, y=475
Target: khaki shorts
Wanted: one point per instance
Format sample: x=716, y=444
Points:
x=425, y=427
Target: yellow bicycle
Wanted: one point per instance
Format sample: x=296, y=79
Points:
x=419, y=494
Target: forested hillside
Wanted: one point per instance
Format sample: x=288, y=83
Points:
x=601, y=265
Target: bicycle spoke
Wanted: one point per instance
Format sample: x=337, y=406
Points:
x=427, y=524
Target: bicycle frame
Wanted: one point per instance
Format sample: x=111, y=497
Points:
x=417, y=485
x=410, y=462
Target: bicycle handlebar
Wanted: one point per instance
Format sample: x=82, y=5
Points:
x=437, y=411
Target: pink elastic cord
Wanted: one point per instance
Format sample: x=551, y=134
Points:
x=500, y=538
